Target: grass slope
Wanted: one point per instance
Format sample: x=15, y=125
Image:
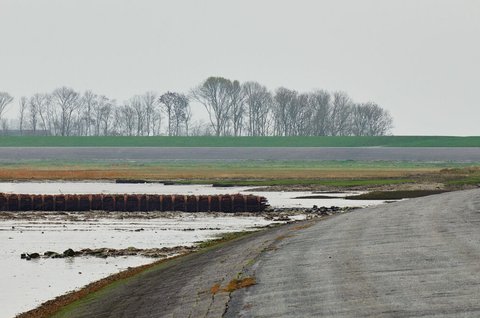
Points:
x=205, y=141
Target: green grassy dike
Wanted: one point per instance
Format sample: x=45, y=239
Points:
x=207, y=141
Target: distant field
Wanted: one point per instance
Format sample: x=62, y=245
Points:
x=162, y=141
x=211, y=172
x=251, y=173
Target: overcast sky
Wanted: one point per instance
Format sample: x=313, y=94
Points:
x=420, y=59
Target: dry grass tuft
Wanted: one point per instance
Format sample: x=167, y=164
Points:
x=235, y=284
x=215, y=289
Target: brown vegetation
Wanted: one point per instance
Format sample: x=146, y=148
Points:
x=167, y=173
x=235, y=284
x=215, y=289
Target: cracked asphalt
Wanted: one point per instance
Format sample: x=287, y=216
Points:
x=416, y=258
x=181, y=287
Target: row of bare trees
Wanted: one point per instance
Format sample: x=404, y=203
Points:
x=233, y=108
x=66, y=112
x=251, y=109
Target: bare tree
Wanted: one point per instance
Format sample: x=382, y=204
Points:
x=258, y=103
x=187, y=119
x=39, y=109
x=167, y=102
x=68, y=101
x=285, y=111
x=233, y=109
x=181, y=107
x=101, y=111
x=237, y=107
x=370, y=120
x=214, y=95
x=21, y=117
x=126, y=119
x=136, y=104
x=302, y=114
x=177, y=108
x=320, y=103
x=156, y=121
x=5, y=126
x=5, y=99
x=89, y=101
x=150, y=102
x=340, y=114
x=107, y=111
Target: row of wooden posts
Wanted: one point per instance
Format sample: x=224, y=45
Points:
x=132, y=202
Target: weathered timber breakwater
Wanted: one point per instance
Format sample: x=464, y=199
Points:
x=132, y=202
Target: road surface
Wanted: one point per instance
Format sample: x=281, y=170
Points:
x=14, y=154
x=416, y=258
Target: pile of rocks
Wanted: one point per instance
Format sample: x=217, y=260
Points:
x=111, y=252
x=323, y=210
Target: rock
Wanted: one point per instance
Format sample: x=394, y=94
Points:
x=51, y=254
x=282, y=218
x=34, y=255
x=69, y=253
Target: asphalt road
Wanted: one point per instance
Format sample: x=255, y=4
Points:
x=182, y=287
x=13, y=154
x=416, y=258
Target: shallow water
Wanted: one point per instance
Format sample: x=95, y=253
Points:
x=27, y=284
x=277, y=199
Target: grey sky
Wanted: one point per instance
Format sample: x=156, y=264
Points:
x=419, y=59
